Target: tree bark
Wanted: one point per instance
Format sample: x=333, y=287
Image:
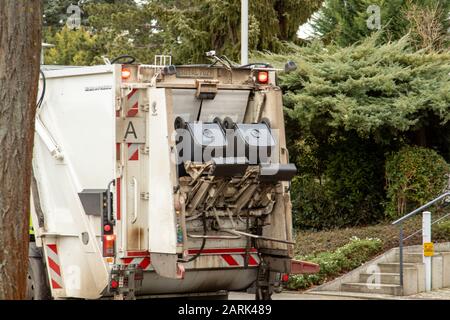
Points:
x=20, y=45
x=421, y=137
x=283, y=21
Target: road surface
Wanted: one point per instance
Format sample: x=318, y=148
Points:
x=287, y=295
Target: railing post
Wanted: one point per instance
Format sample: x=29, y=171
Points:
x=426, y=238
x=401, y=255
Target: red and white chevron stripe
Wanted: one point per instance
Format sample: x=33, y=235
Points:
x=238, y=260
x=54, y=266
x=133, y=152
x=234, y=257
x=142, y=262
x=133, y=103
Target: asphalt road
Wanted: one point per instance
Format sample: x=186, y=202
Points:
x=287, y=295
x=441, y=294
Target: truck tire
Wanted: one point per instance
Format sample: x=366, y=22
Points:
x=37, y=283
x=221, y=297
x=263, y=295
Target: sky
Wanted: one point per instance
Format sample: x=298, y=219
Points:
x=306, y=31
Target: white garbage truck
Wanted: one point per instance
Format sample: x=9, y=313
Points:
x=160, y=181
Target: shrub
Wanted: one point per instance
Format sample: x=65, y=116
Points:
x=312, y=208
x=414, y=176
x=341, y=184
x=441, y=231
x=333, y=264
x=354, y=182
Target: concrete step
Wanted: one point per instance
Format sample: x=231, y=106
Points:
x=394, y=267
x=416, y=257
x=386, y=278
x=357, y=295
x=411, y=258
x=390, y=289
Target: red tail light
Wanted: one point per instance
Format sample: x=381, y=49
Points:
x=109, y=242
x=114, y=284
x=285, y=278
x=263, y=77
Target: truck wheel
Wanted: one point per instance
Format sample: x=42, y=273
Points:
x=263, y=295
x=222, y=297
x=37, y=283
x=264, y=281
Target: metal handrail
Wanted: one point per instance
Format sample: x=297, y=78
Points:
x=434, y=222
x=406, y=217
x=418, y=210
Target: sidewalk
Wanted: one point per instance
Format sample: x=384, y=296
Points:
x=289, y=295
x=441, y=294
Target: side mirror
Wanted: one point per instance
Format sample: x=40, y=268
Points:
x=290, y=66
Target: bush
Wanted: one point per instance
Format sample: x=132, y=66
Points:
x=342, y=186
x=355, y=181
x=333, y=264
x=312, y=208
x=441, y=231
x=414, y=176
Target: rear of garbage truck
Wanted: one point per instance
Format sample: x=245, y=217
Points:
x=162, y=181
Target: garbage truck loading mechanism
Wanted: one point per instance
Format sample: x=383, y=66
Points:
x=162, y=181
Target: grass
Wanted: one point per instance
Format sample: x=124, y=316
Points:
x=333, y=264
x=311, y=242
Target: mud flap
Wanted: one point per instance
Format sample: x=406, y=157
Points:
x=304, y=267
x=161, y=214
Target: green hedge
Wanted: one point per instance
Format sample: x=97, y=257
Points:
x=441, y=231
x=333, y=264
x=341, y=183
x=414, y=176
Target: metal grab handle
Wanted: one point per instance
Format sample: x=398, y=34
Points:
x=194, y=236
x=136, y=194
x=110, y=217
x=254, y=236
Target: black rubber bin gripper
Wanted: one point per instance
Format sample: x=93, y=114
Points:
x=207, y=141
x=278, y=172
x=254, y=141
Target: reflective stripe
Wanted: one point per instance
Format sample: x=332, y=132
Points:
x=54, y=266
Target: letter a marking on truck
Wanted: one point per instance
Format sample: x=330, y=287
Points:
x=131, y=131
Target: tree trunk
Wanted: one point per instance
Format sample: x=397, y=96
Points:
x=20, y=45
x=283, y=21
x=421, y=137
